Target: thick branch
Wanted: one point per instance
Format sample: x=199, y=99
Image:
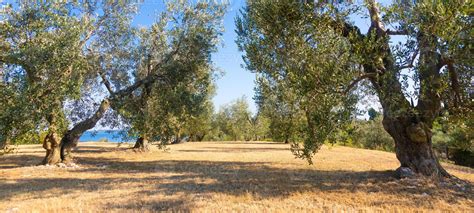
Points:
x=376, y=23
x=429, y=103
x=90, y=122
x=71, y=138
x=455, y=86
x=107, y=84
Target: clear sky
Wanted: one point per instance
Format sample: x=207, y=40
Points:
x=237, y=81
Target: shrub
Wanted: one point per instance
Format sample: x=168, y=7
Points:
x=367, y=134
x=454, y=141
x=103, y=140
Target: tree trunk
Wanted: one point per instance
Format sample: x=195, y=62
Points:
x=5, y=145
x=200, y=137
x=52, y=142
x=142, y=144
x=177, y=139
x=408, y=125
x=414, y=147
x=52, y=145
x=71, y=138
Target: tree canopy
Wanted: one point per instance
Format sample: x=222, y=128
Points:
x=54, y=53
x=316, y=51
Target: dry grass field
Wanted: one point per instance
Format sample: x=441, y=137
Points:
x=216, y=177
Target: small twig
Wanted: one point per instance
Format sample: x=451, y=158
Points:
x=411, y=62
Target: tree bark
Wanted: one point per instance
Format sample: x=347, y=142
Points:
x=5, y=145
x=142, y=144
x=413, y=146
x=52, y=145
x=200, y=137
x=52, y=142
x=71, y=138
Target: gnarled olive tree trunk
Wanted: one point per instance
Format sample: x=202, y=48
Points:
x=52, y=143
x=414, y=147
x=71, y=138
x=410, y=126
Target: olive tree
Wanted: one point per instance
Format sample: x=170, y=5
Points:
x=149, y=76
x=53, y=52
x=44, y=63
x=319, y=52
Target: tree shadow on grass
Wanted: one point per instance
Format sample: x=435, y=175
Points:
x=234, y=149
x=33, y=156
x=259, y=179
x=263, y=180
x=95, y=149
x=177, y=204
x=197, y=178
x=11, y=161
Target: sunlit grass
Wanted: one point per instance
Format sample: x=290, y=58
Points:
x=212, y=176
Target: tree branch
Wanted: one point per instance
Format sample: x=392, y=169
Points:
x=455, y=86
x=376, y=23
x=358, y=79
x=107, y=84
x=151, y=78
x=396, y=32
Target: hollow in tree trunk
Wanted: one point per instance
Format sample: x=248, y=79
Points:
x=142, y=144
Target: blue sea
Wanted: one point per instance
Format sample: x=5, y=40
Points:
x=114, y=136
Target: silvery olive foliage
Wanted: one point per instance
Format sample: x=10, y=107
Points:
x=160, y=109
x=65, y=63
x=314, y=52
x=294, y=62
x=43, y=62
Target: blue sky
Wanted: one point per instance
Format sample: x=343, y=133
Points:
x=237, y=81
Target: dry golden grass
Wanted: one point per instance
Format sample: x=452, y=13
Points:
x=216, y=177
